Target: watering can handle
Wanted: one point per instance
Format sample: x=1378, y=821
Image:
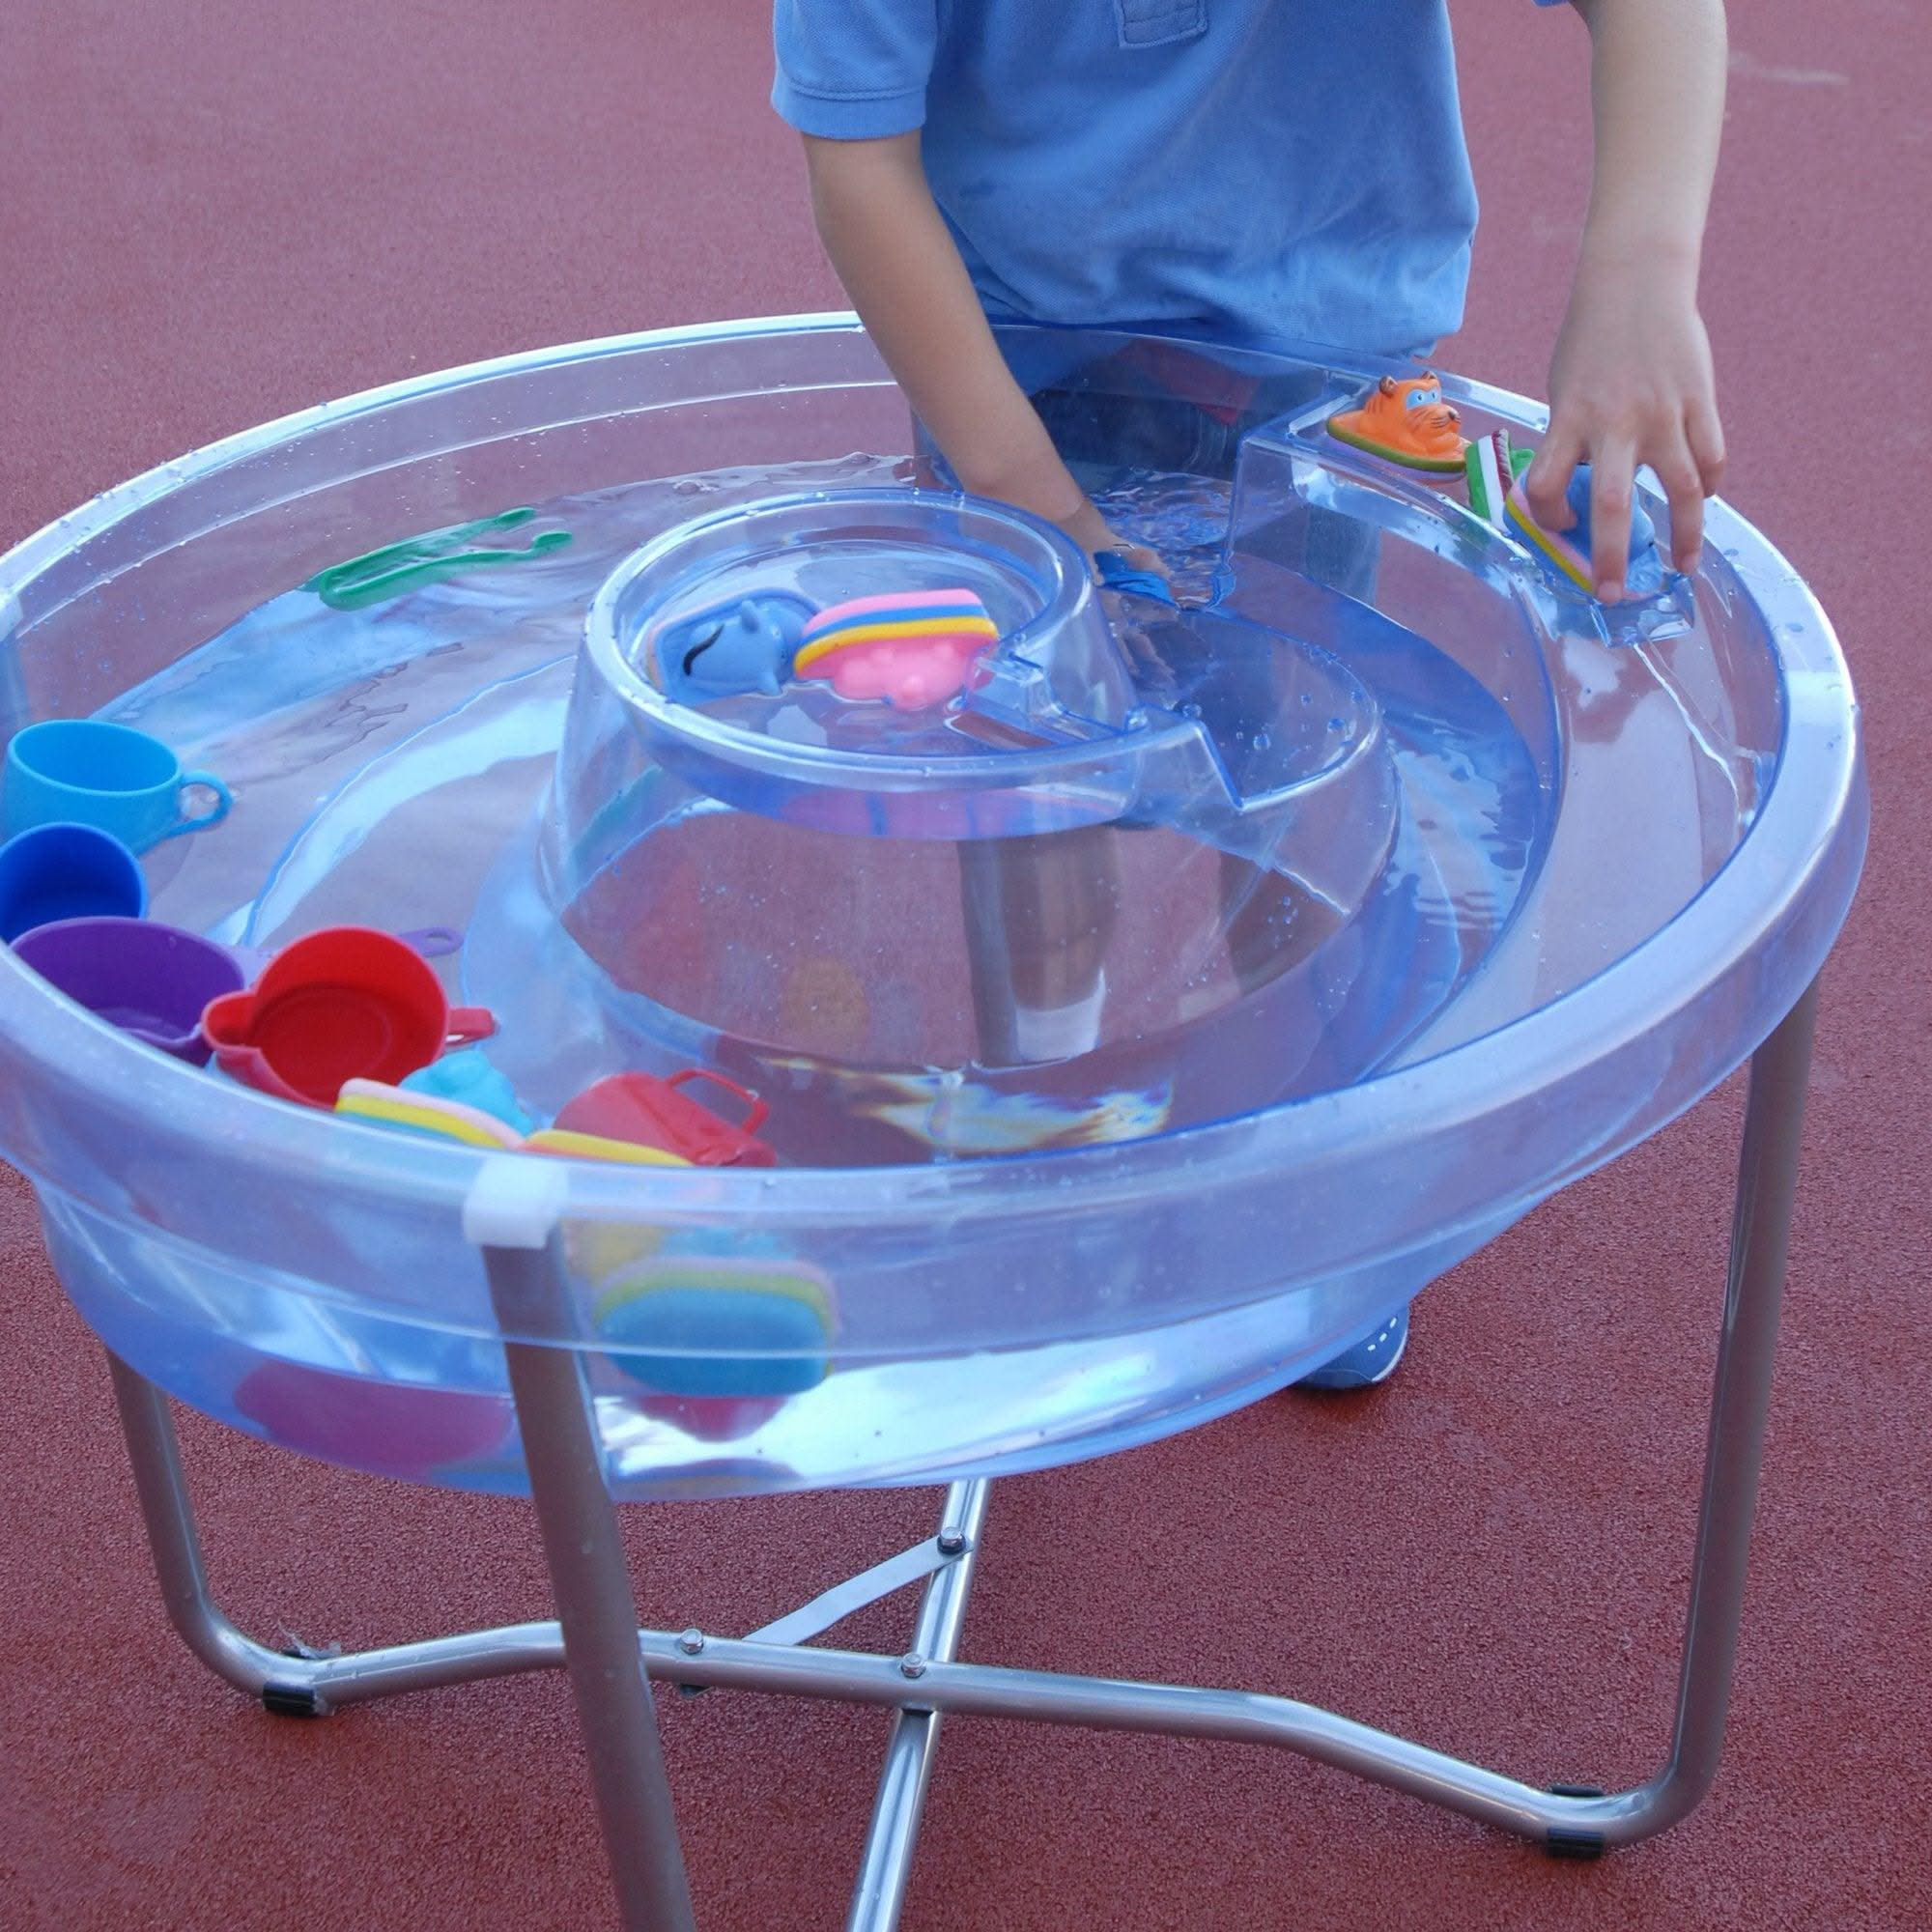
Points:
x=755, y=1109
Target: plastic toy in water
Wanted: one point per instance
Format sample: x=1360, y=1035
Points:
x=675, y=1319
x=442, y=1117
x=432, y=1114
x=1569, y=551
x=712, y=1418
x=432, y=942
x=429, y=558
x=731, y=648
x=84, y=770
x=468, y=1076
x=55, y=872
x=347, y=1003
x=1491, y=468
x=150, y=981
x=568, y=1143
x=913, y=648
x=393, y=1429
x=1119, y=573
x=1404, y=421
x=678, y=1307
x=642, y=1110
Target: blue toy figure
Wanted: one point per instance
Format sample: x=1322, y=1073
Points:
x=1571, y=552
x=1642, y=533
x=1117, y=571
x=732, y=648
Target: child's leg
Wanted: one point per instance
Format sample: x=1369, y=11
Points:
x=1039, y=916
x=1162, y=407
x=1103, y=420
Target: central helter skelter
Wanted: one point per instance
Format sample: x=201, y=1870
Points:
x=1080, y=886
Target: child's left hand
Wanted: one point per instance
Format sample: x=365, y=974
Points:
x=1087, y=528
x=1631, y=382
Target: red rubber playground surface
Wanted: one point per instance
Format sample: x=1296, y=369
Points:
x=211, y=214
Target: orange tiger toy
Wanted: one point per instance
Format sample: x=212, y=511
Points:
x=1405, y=422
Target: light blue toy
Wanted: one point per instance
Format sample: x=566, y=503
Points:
x=675, y=1317
x=470, y=1078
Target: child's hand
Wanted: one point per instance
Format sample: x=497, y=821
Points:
x=1087, y=528
x=1631, y=382
x=1630, y=379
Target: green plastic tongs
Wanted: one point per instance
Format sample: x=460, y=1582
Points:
x=427, y=560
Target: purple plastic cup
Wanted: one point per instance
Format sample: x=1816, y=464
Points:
x=150, y=981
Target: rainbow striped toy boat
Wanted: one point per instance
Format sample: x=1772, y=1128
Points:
x=914, y=648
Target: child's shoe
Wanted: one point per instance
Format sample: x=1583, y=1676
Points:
x=1369, y=1361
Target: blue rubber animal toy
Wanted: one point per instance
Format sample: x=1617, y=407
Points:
x=746, y=645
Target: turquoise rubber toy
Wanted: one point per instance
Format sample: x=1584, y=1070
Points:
x=470, y=1078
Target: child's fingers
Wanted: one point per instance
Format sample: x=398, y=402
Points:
x=1143, y=558
x=1612, y=478
x=1678, y=470
x=1706, y=435
x=1548, y=481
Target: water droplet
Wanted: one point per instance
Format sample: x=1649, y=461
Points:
x=1261, y=741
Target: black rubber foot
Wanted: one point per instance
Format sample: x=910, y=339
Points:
x=1562, y=1843
x=286, y=1700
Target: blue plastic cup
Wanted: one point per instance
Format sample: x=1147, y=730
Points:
x=66, y=872
x=81, y=771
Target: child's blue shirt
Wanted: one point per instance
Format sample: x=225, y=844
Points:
x=1246, y=170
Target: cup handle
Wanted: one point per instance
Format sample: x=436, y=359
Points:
x=433, y=942
x=223, y=800
x=468, y=1023
x=756, y=1111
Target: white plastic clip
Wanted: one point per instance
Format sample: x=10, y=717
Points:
x=515, y=1202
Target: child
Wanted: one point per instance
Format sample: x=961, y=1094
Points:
x=1246, y=172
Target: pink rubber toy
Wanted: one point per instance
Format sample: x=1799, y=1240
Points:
x=913, y=648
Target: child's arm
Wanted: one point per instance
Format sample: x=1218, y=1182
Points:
x=903, y=271
x=1631, y=381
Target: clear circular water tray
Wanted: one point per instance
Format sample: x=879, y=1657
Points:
x=1142, y=996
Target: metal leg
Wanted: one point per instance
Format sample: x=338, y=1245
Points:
x=1754, y=1298
x=308, y=1686
x=610, y=1661
x=594, y=1601
x=886, y=1867
x=161, y=1485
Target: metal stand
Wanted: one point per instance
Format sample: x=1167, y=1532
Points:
x=610, y=1662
